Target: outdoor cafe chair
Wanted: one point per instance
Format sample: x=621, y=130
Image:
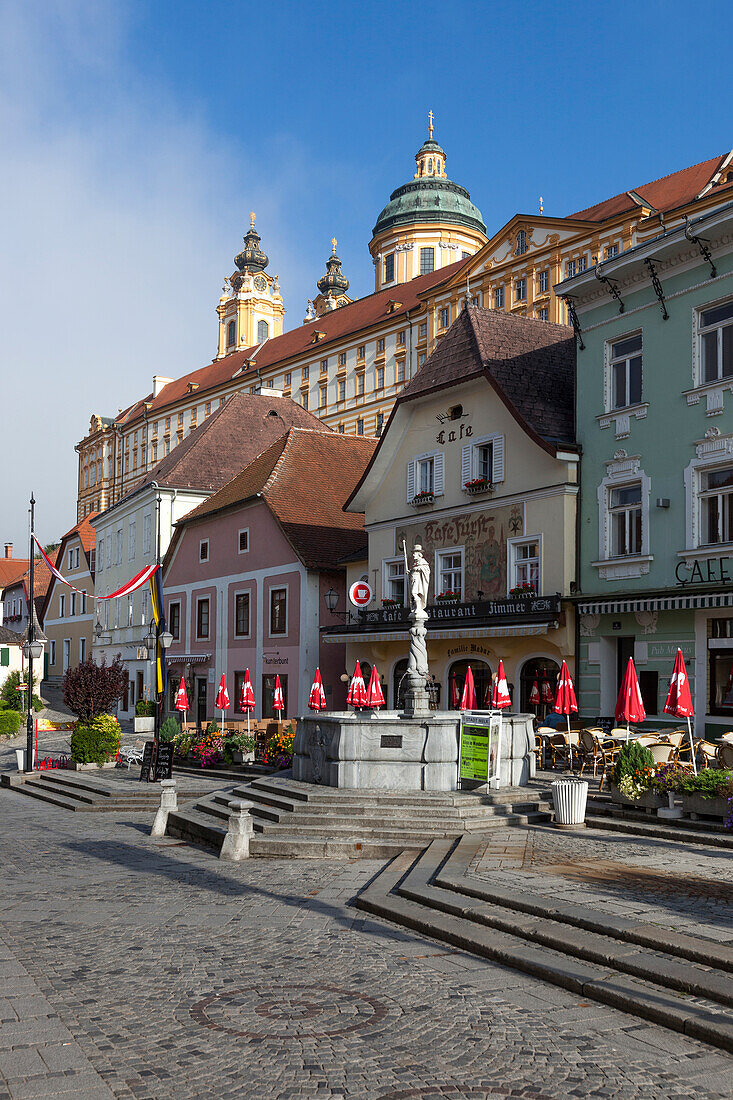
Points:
x=132, y=754
x=725, y=754
x=594, y=750
x=662, y=751
x=708, y=751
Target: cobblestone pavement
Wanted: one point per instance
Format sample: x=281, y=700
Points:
x=684, y=887
x=134, y=968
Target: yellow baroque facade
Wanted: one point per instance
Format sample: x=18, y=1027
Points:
x=350, y=359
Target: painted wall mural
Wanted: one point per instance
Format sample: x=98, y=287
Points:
x=483, y=536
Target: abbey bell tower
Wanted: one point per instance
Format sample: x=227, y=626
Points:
x=250, y=307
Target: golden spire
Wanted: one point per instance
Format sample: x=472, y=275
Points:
x=542, y=206
x=431, y=116
x=251, y=219
x=333, y=246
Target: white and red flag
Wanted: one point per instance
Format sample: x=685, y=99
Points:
x=127, y=589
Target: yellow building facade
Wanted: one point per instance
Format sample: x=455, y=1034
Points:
x=350, y=359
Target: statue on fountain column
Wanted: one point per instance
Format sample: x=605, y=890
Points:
x=417, y=700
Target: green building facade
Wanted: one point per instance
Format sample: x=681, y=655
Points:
x=655, y=423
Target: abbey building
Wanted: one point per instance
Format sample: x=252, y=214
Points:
x=348, y=361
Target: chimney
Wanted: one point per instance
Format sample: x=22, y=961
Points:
x=159, y=382
x=8, y=549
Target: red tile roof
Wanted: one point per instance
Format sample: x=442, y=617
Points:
x=667, y=193
x=212, y=454
x=85, y=531
x=304, y=478
x=11, y=570
x=530, y=363
x=337, y=324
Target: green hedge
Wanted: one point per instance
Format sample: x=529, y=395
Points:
x=10, y=723
x=145, y=708
x=97, y=742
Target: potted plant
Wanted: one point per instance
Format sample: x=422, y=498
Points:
x=708, y=794
x=666, y=782
x=239, y=748
x=478, y=485
x=631, y=780
x=144, y=716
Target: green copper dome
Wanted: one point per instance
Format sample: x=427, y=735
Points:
x=430, y=199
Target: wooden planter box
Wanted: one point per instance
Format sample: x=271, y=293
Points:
x=649, y=801
x=693, y=805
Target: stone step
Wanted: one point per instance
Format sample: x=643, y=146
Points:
x=75, y=782
x=317, y=795
x=42, y=793
x=653, y=988
x=193, y=824
x=242, y=773
x=97, y=796
x=324, y=847
x=682, y=830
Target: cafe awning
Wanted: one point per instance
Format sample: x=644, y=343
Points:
x=683, y=602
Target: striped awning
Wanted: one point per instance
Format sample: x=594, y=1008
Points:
x=517, y=630
x=187, y=658
x=658, y=603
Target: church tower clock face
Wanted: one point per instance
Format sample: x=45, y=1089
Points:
x=260, y=283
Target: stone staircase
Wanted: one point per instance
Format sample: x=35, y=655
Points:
x=682, y=982
x=78, y=792
x=296, y=819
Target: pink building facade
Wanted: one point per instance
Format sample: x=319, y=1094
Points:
x=239, y=597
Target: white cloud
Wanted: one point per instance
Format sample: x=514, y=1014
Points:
x=121, y=215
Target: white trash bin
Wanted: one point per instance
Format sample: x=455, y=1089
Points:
x=20, y=758
x=569, y=797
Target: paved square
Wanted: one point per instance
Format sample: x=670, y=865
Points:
x=130, y=968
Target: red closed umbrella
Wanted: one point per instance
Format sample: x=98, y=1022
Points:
x=468, y=698
x=455, y=698
x=181, y=702
x=278, y=703
x=629, y=705
x=565, y=701
x=546, y=691
x=222, y=698
x=500, y=697
x=374, y=695
x=679, y=699
x=317, y=697
x=534, y=696
x=357, y=691
x=247, y=697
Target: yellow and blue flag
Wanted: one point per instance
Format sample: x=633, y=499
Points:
x=156, y=600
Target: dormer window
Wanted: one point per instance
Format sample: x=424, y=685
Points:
x=231, y=333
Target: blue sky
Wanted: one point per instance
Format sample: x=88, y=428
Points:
x=136, y=137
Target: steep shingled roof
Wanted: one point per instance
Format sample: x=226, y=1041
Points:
x=244, y=426
x=336, y=324
x=667, y=193
x=531, y=365
x=304, y=478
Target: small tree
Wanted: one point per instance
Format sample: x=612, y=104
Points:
x=91, y=689
x=14, y=698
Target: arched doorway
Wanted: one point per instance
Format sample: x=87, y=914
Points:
x=481, y=678
x=545, y=671
x=398, y=685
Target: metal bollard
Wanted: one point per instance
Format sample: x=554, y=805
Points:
x=239, y=831
x=168, y=802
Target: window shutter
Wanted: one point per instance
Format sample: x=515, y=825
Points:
x=410, y=480
x=465, y=464
x=4, y=656
x=438, y=474
x=498, y=458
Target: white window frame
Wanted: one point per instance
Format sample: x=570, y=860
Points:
x=62, y=605
x=543, y=281
x=147, y=532
x=520, y=284
x=444, y=317
x=712, y=454
x=131, y=540
x=52, y=651
x=243, y=592
x=610, y=361
x=72, y=604
x=498, y=297
x=469, y=458
x=513, y=545
x=413, y=474
x=144, y=607
x=386, y=579
x=706, y=495
x=439, y=555
x=82, y=650
x=698, y=380
x=100, y=557
x=622, y=471
x=203, y=543
x=240, y=532
x=272, y=588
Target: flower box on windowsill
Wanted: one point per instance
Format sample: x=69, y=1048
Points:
x=390, y=603
x=448, y=597
x=523, y=590
x=478, y=485
x=422, y=498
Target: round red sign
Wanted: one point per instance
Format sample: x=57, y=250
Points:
x=360, y=593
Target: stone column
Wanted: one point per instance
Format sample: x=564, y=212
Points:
x=168, y=802
x=239, y=832
x=417, y=700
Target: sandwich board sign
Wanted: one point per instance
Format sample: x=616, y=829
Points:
x=480, y=748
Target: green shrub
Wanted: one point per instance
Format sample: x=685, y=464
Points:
x=634, y=761
x=212, y=727
x=15, y=699
x=145, y=708
x=97, y=741
x=169, y=730
x=10, y=723
x=708, y=783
